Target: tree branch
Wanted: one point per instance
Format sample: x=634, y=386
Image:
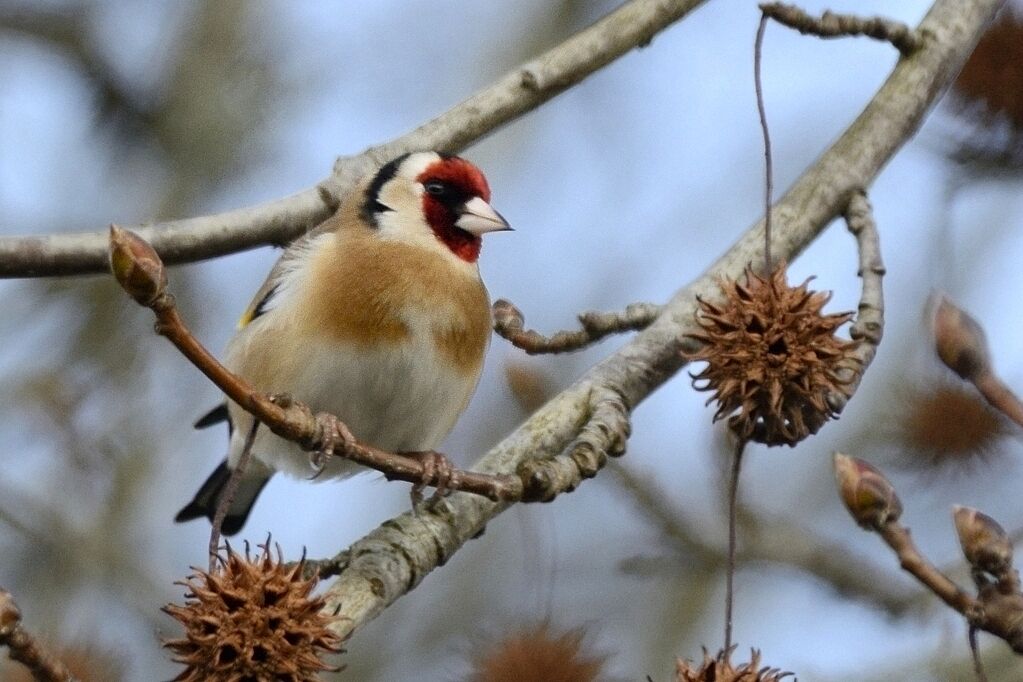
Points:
x=868, y=328
x=632, y=25
x=998, y=607
x=24, y=648
x=509, y=323
x=832, y=25
x=397, y=556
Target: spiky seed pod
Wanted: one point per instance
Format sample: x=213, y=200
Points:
x=721, y=669
x=989, y=89
x=772, y=357
x=252, y=619
x=538, y=654
x=944, y=425
x=529, y=384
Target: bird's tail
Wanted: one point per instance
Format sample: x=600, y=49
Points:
x=206, y=500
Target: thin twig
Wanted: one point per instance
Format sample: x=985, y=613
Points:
x=868, y=327
x=278, y=222
x=978, y=665
x=998, y=606
x=24, y=648
x=758, y=49
x=998, y=394
x=509, y=324
x=832, y=25
x=912, y=561
x=769, y=540
x=228, y=495
x=733, y=495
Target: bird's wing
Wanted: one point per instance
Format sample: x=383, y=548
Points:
x=281, y=273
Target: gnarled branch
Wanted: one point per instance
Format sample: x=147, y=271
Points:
x=833, y=25
x=510, y=324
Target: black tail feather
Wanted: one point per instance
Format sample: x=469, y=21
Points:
x=205, y=502
x=215, y=416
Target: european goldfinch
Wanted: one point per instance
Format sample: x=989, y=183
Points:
x=379, y=316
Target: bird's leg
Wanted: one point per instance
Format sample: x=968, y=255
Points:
x=336, y=435
x=438, y=471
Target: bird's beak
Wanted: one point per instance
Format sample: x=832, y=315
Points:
x=478, y=218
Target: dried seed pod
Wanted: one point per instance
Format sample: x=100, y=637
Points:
x=538, y=653
x=772, y=358
x=252, y=619
x=530, y=386
x=946, y=425
x=721, y=669
x=867, y=494
x=987, y=92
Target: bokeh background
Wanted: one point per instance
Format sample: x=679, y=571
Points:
x=622, y=189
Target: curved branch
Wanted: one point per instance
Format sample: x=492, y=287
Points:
x=868, y=328
x=24, y=648
x=832, y=25
x=510, y=324
x=632, y=25
x=393, y=559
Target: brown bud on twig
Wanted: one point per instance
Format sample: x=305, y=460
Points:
x=985, y=543
x=136, y=266
x=10, y=614
x=867, y=494
x=959, y=340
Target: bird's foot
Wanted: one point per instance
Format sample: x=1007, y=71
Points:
x=438, y=471
x=336, y=436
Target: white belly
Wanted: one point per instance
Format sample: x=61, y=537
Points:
x=396, y=398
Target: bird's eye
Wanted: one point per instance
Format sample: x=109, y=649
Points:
x=436, y=188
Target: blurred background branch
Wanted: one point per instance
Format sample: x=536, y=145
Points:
x=633, y=24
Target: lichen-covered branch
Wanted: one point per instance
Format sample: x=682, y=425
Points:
x=603, y=435
x=397, y=556
x=23, y=647
x=510, y=324
x=833, y=25
x=278, y=222
x=868, y=328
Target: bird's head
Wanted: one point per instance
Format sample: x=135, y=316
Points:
x=433, y=198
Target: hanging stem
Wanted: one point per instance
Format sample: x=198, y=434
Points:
x=733, y=494
x=978, y=666
x=769, y=171
x=230, y=490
